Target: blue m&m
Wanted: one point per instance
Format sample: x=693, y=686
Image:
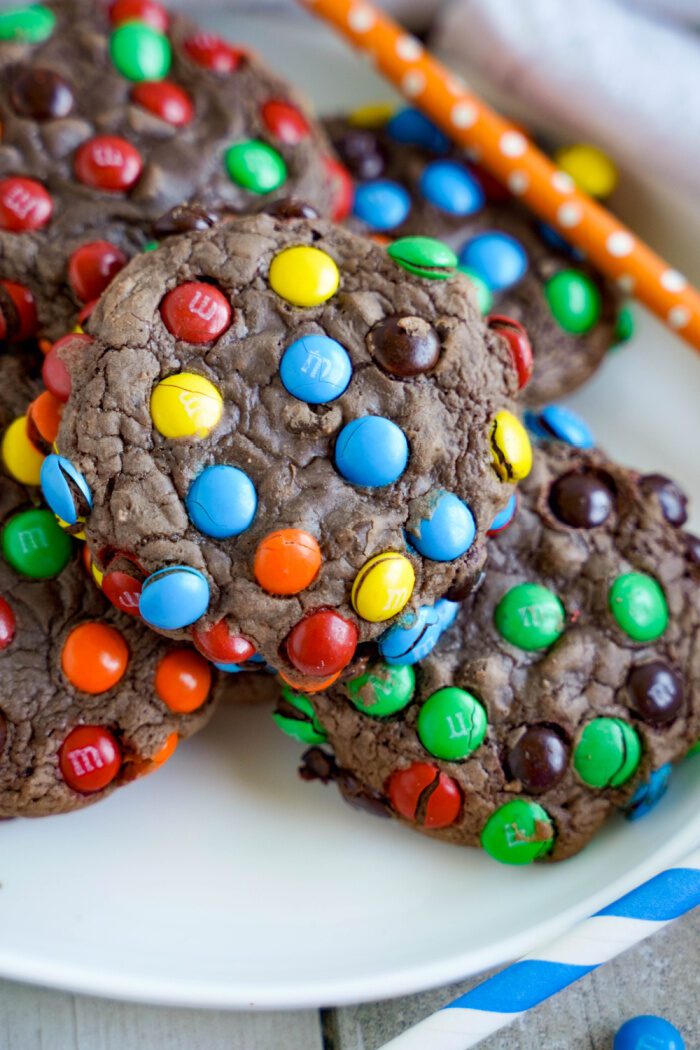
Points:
x=451, y=187
x=221, y=502
x=448, y=531
x=65, y=489
x=415, y=635
x=499, y=259
x=648, y=795
x=173, y=598
x=648, y=1032
x=382, y=204
x=371, y=451
x=559, y=422
x=505, y=516
x=315, y=369
x=413, y=128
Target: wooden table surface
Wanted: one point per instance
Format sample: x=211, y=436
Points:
x=661, y=976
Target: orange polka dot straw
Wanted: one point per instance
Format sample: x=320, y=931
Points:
x=517, y=163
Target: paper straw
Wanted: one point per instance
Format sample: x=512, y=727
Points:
x=508, y=995
x=503, y=149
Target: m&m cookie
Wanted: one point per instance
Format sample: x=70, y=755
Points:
x=554, y=311
x=323, y=460
x=90, y=698
x=112, y=115
x=567, y=685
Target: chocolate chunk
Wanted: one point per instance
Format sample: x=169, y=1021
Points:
x=184, y=218
x=41, y=94
x=361, y=153
x=290, y=208
x=655, y=692
x=583, y=501
x=539, y=759
x=672, y=499
x=404, y=346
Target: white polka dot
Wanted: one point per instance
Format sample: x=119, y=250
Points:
x=626, y=282
x=562, y=182
x=569, y=215
x=413, y=82
x=513, y=144
x=673, y=281
x=678, y=316
x=360, y=19
x=518, y=182
x=464, y=114
x=620, y=243
x=408, y=48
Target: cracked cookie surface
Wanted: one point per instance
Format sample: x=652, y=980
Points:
x=347, y=488
x=568, y=683
x=108, y=123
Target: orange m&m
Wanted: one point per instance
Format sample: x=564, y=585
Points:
x=183, y=680
x=287, y=561
x=95, y=657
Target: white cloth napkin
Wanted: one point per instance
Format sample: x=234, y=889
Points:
x=624, y=74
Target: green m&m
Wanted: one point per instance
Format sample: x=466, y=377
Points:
x=624, y=326
x=140, y=52
x=424, y=256
x=35, y=545
x=382, y=690
x=451, y=724
x=518, y=833
x=30, y=25
x=530, y=616
x=484, y=295
x=695, y=750
x=296, y=717
x=607, y=753
x=639, y=606
x=255, y=166
x=574, y=301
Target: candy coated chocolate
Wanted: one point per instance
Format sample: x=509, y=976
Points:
x=404, y=346
x=648, y=1031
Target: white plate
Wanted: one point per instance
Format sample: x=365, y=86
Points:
x=225, y=881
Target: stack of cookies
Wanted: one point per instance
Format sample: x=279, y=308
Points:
x=278, y=451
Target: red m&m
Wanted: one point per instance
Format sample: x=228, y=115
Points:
x=342, y=187
x=196, y=312
x=95, y=657
x=220, y=645
x=89, y=759
x=423, y=794
x=91, y=268
x=285, y=121
x=24, y=205
x=211, y=52
x=165, y=100
x=518, y=343
x=23, y=325
x=7, y=624
x=53, y=372
x=153, y=14
x=122, y=585
x=322, y=643
x=108, y=163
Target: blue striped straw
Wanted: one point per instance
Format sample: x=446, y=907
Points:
x=511, y=993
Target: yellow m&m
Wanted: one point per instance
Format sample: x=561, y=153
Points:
x=590, y=168
x=185, y=405
x=510, y=447
x=372, y=115
x=304, y=276
x=383, y=586
x=22, y=460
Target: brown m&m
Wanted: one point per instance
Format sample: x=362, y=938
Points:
x=404, y=346
x=41, y=94
x=539, y=758
x=655, y=692
x=581, y=500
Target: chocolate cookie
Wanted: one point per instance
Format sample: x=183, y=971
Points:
x=89, y=698
x=569, y=681
x=292, y=436
x=111, y=116
x=410, y=180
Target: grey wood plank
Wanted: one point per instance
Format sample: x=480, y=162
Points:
x=660, y=976
x=39, y=1019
